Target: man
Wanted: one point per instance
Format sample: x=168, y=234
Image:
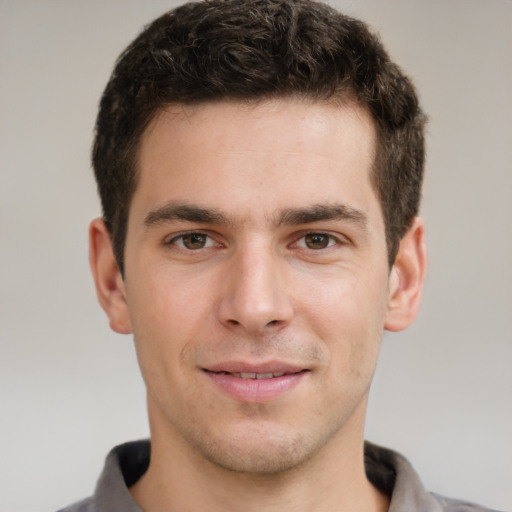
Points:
x=260, y=167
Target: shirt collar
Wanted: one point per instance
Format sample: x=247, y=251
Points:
x=387, y=470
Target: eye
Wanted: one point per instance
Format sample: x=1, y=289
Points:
x=317, y=241
x=192, y=241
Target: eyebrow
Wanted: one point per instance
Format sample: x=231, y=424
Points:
x=289, y=217
x=189, y=213
x=320, y=212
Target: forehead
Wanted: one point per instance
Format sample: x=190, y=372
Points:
x=274, y=155
x=299, y=122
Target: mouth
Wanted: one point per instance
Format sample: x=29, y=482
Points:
x=255, y=375
x=255, y=384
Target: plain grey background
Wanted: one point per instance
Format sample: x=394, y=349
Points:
x=70, y=389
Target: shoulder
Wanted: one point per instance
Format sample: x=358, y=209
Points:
x=393, y=475
x=124, y=465
x=85, y=505
x=452, y=505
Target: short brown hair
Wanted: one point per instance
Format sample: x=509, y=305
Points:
x=258, y=49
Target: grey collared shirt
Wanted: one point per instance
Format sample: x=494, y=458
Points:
x=389, y=471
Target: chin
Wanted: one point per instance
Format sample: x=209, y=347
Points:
x=267, y=458
x=259, y=451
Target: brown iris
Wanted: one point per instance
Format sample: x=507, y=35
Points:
x=316, y=241
x=194, y=240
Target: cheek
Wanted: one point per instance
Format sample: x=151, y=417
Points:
x=348, y=316
x=167, y=303
x=166, y=315
x=345, y=302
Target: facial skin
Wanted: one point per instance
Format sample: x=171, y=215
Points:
x=256, y=244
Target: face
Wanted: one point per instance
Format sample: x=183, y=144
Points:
x=256, y=280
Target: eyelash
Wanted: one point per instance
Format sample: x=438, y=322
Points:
x=210, y=241
x=332, y=240
x=174, y=240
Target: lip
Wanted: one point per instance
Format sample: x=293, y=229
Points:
x=264, y=367
x=226, y=377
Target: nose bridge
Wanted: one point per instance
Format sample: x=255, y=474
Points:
x=255, y=297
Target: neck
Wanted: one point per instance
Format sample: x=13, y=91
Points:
x=180, y=479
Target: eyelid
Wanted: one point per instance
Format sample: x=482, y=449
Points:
x=170, y=240
x=338, y=238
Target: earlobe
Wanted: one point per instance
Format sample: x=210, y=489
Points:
x=407, y=278
x=109, y=283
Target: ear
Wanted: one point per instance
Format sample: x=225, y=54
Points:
x=407, y=278
x=109, y=283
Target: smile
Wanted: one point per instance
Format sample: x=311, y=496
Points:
x=258, y=376
x=256, y=386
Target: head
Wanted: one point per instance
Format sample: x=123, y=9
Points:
x=260, y=166
x=206, y=52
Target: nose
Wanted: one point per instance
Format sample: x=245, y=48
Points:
x=255, y=297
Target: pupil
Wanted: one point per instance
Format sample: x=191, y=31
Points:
x=317, y=241
x=194, y=241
